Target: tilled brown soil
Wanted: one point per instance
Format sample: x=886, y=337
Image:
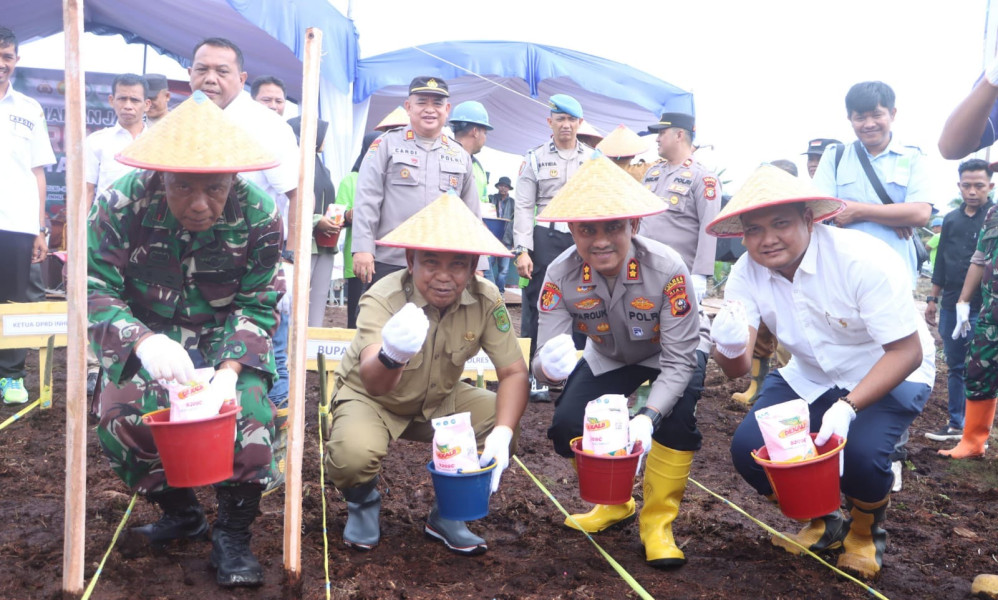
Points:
x=943, y=526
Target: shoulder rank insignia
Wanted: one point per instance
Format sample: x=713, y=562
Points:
x=688, y=162
x=409, y=135
x=633, y=272
x=587, y=273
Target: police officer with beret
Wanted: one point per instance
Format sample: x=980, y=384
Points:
x=544, y=171
x=405, y=170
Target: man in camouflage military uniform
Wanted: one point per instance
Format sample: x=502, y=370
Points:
x=415, y=331
x=631, y=296
x=182, y=274
x=982, y=357
x=405, y=170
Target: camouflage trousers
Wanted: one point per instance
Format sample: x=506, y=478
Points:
x=129, y=446
x=982, y=360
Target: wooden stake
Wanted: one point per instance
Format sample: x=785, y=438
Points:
x=299, y=305
x=76, y=296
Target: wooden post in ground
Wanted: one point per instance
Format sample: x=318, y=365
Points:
x=76, y=296
x=299, y=306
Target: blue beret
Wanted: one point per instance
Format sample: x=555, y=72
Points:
x=563, y=103
x=937, y=222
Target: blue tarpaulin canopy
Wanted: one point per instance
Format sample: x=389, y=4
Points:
x=514, y=80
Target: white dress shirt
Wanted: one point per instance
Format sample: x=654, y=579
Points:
x=101, y=148
x=850, y=296
x=24, y=145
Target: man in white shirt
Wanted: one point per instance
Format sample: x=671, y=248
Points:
x=128, y=99
x=25, y=151
x=862, y=356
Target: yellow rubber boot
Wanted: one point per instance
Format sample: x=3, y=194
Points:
x=666, y=473
x=823, y=533
x=866, y=540
x=602, y=516
x=985, y=586
x=760, y=368
x=976, y=429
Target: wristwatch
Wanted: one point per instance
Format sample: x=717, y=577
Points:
x=44, y=230
x=389, y=363
x=655, y=416
x=931, y=299
x=520, y=250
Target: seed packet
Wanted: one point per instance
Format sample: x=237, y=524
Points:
x=455, y=448
x=193, y=400
x=605, y=429
x=786, y=429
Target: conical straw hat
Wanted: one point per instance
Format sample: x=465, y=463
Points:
x=601, y=191
x=588, y=134
x=445, y=225
x=771, y=186
x=197, y=137
x=623, y=142
x=396, y=118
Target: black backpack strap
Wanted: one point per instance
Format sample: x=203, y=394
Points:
x=868, y=169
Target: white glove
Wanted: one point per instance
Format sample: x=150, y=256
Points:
x=639, y=430
x=403, y=335
x=558, y=357
x=223, y=384
x=836, y=420
x=699, y=286
x=165, y=359
x=497, y=447
x=962, y=328
x=284, y=304
x=730, y=330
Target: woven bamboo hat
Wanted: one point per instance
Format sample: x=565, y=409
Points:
x=396, y=118
x=622, y=142
x=197, y=137
x=601, y=191
x=588, y=134
x=771, y=186
x=445, y=225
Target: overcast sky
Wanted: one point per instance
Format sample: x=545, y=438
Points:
x=766, y=75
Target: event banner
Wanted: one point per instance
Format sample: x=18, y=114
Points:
x=48, y=87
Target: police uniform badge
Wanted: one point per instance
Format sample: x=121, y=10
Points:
x=675, y=291
x=554, y=172
x=550, y=297
x=404, y=173
x=585, y=289
x=587, y=273
x=633, y=272
x=581, y=326
x=453, y=181
x=374, y=146
x=588, y=303
x=642, y=303
x=674, y=200
x=710, y=188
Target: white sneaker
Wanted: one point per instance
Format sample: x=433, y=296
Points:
x=896, y=468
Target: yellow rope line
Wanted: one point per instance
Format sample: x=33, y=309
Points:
x=627, y=577
x=804, y=550
x=20, y=413
x=114, y=540
x=323, y=410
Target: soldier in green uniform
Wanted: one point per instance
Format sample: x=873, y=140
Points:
x=415, y=331
x=183, y=262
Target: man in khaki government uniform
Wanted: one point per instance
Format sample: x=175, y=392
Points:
x=405, y=170
x=544, y=170
x=415, y=331
x=631, y=296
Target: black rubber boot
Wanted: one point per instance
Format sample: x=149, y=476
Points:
x=183, y=518
x=230, y=538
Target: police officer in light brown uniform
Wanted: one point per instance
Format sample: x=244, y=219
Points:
x=544, y=171
x=405, y=170
x=632, y=296
x=692, y=194
x=415, y=331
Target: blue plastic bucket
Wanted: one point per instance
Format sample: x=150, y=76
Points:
x=462, y=496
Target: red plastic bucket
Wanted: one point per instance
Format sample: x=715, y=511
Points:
x=605, y=479
x=810, y=488
x=197, y=452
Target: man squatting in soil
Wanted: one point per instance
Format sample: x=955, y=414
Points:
x=863, y=358
x=183, y=262
x=416, y=328
x=633, y=298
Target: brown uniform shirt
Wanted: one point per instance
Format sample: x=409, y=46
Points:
x=398, y=178
x=478, y=321
x=650, y=318
x=693, y=197
x=542, y=174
